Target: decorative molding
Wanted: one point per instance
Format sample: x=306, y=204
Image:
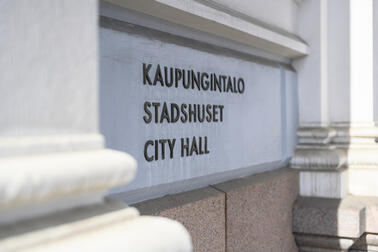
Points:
x=213, y=20
x=103, y=227
x=325, y=184
x=150, y=23
x=319, y=159
x=39, y=184
x=138, y=195
x=325, y=155
x=26, y=145
x=349, y=224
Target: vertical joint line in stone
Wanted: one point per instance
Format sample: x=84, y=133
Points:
x=225, y=215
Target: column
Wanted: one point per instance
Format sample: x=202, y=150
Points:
x=54, y=169
x=322, y=25
x=336, y=154
x=336, y=99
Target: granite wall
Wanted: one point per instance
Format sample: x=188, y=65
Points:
x=248, y=214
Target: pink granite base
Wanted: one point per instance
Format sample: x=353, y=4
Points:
x=201, y=211
x=248, y=214
x=259, y=212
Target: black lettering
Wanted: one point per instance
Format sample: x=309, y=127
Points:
x=204, y=83
x=196, y=79
x=168, y=83
x=241, y=86
x=156, y=150
x=171, y=145
x=212, y=82
x=146, y=77
x=201, y=118
x=148, y=158
x=184, y=146
x=184, y=117
x=162, y=144
x=192, y=113
x=194, y=147
x=229, y=84
x=217, y=83
x=186, y=85
x=178, y=76
x=175, y=112
x=158, y=76
x=215, y=112
x=221, y=112
x=224, y=82
x=156, y=106
x=148, y=118
x=164, y=113
x=206, y=150
x=200, y=146
x=208, y=111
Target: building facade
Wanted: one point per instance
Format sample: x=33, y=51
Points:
x=177, y=125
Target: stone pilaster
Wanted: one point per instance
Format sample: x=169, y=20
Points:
x=337, y=148
x=54, y=169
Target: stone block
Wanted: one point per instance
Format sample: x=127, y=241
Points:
x=259, y=211
x=369, y=218
x=318, y=159
x=106, y=226
x=348, y=224
x=327, y=184
x=201, y=211
x=367, y=242
x=330, y=217
x=323, y=243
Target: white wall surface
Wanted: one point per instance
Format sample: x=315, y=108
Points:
x=312, y=69
x=375, y=58
x=48, y=66
x=361, y=46
x=289, y=111
x=336, y=79
x=278, y=13
x=131, y=16
x=339, y=60
x=259, y=127
x=221, y=21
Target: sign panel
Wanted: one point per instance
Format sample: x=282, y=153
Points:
x=184, y=109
